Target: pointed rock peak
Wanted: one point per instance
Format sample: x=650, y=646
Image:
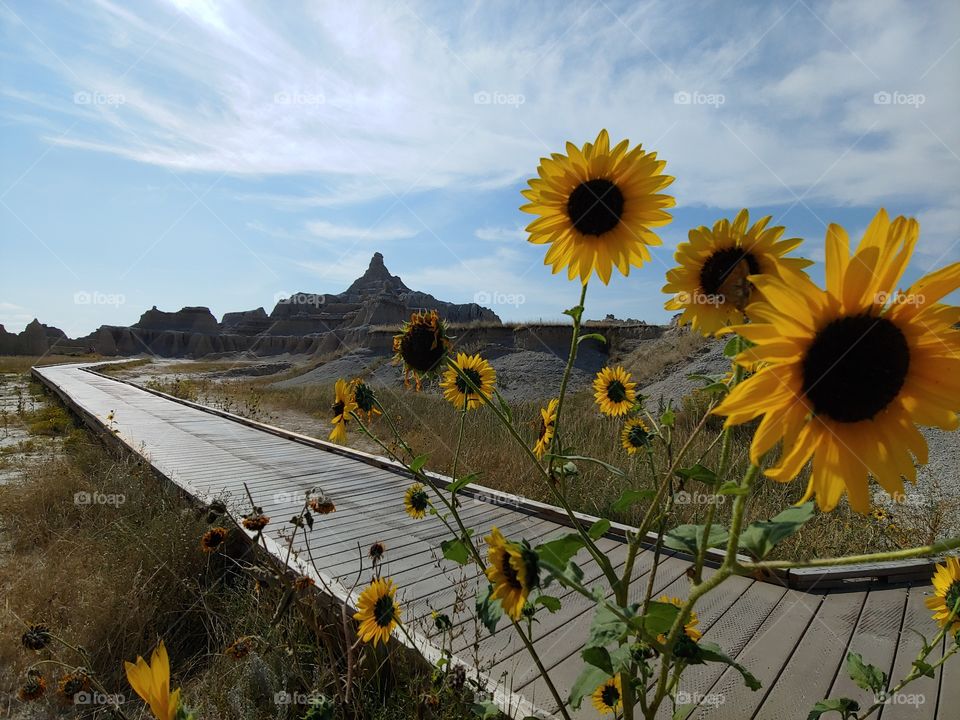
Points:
x=377, y=279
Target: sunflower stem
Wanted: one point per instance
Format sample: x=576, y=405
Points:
x=561, y=704
x=571, y=358
x=924, y=551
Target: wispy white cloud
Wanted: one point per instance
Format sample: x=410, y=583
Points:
x=500, y=234
x=351, y=233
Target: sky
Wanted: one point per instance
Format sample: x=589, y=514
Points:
x=193, y=152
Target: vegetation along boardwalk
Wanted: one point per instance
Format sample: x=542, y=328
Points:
x=793, y=636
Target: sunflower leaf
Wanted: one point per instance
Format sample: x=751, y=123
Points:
x=867, y=676
x=575, y=312
x=761, y=537
x=549, y=602
x=486, y=710
x=589, y=679
x=659, y=617
x=489, y=611
x=599, y=529
x=732, y=487
x=845, y=706
x=668, y=417
x=733, y=347
x=557, y=553
x=610, y=468
x=711, y=652
x=687, y=538
x=462, y=482
x=632, y=497
x=456, y=551
x=700, y=473
x=592, y=336
x=606, y=627
x=416, y=465
x=599, y=658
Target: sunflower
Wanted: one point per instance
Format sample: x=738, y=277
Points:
x=416, y=501
x=256, y=521
x=213, y=539
x=596, y=207
x=608, y=696
x=458, y=392
x=685, y=645
x=376, y=552
x=365, y=399
x=72, y=684
x=152, y=683
x=240, y=648
x=851, y=370
x=548, y=426
x=421, y=345
x=33, y=688
x=514, y=571
x=635, y=435
x=614, y=392
x=377, y=612
x=343, y=405
x=711, y=285
x=322, y=505
x=946, y=587
x=37, y=637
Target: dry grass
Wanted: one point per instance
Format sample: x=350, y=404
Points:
x=652, y=357
x=23, y=363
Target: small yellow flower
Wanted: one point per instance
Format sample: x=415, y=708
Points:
x=635, y=435
x=607, y=698
x=456, y=390
x=548, y=425
x=343, y=405
x=416, y=501
x=946, y=589
x=152, y=683
x=377, y=612
x=614, y=392
x=513, y=570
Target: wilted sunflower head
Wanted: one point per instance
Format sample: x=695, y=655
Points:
x=460, y=393
x=513, y=569
x=377, y=611
x=548, y=425
x=73, y=683
x=37, y=637
x=256, y=522
x=34, y=686
x=240, y=648
x=710, y=285
x=213, y=539
x=635, y=435
x=421, y=344
x=613, y=391
x=303, y=583
x=376, y=551
x=608, y=696
x=597, y=206
x=416, y=501
x=322, y=505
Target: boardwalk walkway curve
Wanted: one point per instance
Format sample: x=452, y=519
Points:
x=793, y=635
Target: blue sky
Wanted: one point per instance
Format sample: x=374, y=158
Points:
x=203, y=153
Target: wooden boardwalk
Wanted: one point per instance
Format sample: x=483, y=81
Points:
x=793, y=640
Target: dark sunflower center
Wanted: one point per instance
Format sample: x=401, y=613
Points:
x=383, y=610
x=462, y=385
x=855, y=367
x=421, y=348
x=610, y=695
x=616, y=391
x=595, y=207
x=338, y=408
x=513, y=580
x=543, y=429
x=953, y=595
x=419, y=500
x=724, y=265
x=637, y=436
x=364, y=397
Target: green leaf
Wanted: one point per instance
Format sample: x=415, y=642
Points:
x=455, y=550
x=845, y=706
x=621, y=658
x=607, y=466
x=761, y=537
x=632, y=497
x=686, y=538
x=682, y=711
x=699, y=473
x=599, y=529
x=462, y=482
x=549, y=602
x=592, y=336
x=668, y=417
x=485, y=710
x=575, y=312
x=869, y=677
x=557, y=553
x=418, y=462
x=489, y=611
x=732, y=487
x=606, y=627
x=717, y=388
x=711, y=652
x=733, y=347
x=660, y=617
x=599, y=658
x=590, y=679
